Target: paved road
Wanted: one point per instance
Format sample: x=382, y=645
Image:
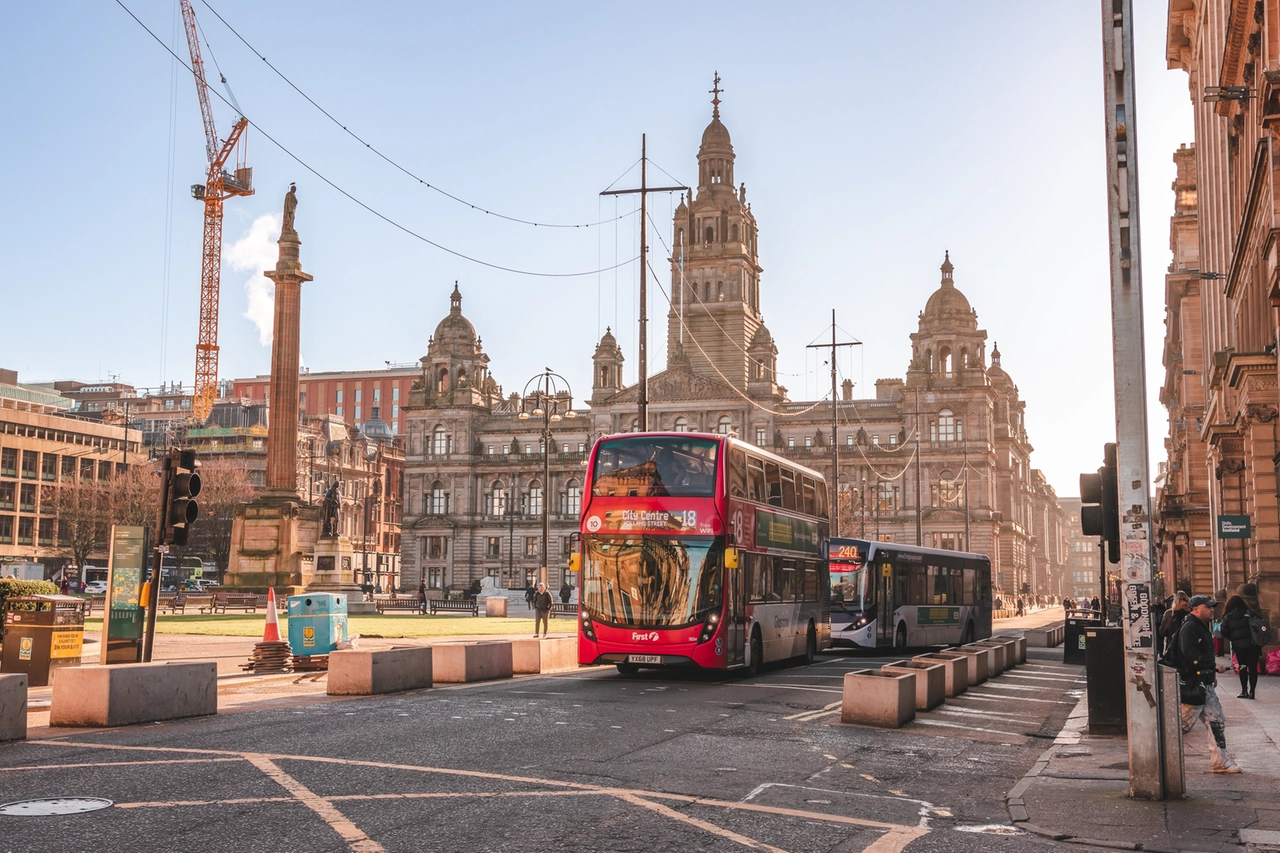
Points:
x=584, y=761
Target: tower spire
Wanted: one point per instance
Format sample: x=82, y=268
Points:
x=715, y=91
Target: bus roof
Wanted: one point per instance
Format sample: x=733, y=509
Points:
x=729, y=440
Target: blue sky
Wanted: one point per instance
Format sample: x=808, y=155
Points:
x=871, y=138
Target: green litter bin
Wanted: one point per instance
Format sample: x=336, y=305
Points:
x=317, y=622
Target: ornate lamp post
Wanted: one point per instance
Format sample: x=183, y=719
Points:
x=546, y=396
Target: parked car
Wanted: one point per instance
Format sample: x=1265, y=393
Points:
x=96, y=588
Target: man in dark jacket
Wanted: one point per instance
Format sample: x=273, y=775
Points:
x=1199, y=664
x=541, y=609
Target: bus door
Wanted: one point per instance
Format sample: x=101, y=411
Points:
x=884, y=601
x=736, y=613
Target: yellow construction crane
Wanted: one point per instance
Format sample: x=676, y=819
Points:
x=219, y=185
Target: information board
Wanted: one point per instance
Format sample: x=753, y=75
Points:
x=124, y=614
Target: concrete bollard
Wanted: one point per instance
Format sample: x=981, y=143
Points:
x=1009, y=647
x=1020, y=645
x=455, y=663
x=931, y=681
x=878, y=698
x=357, y=672
x=137, y=693
x=533, y=656
x=13, y=706
x=979, y=663
x=495, y=605
x=955, y=669
x=995, y=659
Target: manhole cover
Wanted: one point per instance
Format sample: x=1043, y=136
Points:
x=54, y=805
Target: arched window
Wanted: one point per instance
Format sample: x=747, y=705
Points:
x=442, y=380
x=439, y=441
x=945, y=365
x=706, y=291
x=711, y=234
x=681, y=425
x=759, y=368
x=535, y=499
x=733, y=231
x=946, y=428
x=725, y=426
x=573, y=498
x=946, y=493
x=720, y=291
x=462, y=378
x=439, y=500
x=496, y=500
x=635, y=425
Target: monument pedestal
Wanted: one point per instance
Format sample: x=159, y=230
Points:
x=272, y=539
x=334, y=571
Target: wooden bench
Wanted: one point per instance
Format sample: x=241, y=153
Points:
x=560, y=608
x=396, y=602
x=454, y=605
x=248, y=602
x=95, y=602
x=173, y=603
x=202, y=603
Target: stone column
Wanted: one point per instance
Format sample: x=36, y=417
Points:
x=282, y=430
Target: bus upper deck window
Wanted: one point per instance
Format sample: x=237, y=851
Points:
x=756, y=489
x=773, y=479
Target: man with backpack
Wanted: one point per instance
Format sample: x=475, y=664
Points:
x=1197, y=674
x=1170, y=623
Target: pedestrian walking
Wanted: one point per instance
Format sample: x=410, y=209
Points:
x=1095, y=605
x=1171, y=623
x=422, y=598
x=1197, y=676
x=566, y=592
x=541, y=609
x=529, y=593
x=1236, y=617
x=1021, y=610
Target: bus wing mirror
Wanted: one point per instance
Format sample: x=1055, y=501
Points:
x=575, y=562
x=731, y=558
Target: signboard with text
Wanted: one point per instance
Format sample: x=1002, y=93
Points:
x=1233, y=527
x=123, y=621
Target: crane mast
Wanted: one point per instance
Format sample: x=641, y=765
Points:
x=219, y=186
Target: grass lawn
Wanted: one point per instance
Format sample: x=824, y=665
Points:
x=397, y=625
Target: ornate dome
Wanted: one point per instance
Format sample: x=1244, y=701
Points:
x=716, y=135
x=761, y=339
x=455, y=335
x=946, y=301
x=376, y=429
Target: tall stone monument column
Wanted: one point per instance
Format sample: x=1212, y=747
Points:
x=282, y=428
x=273, y=538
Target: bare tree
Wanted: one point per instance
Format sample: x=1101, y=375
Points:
x=224, y=483
x=81, y=509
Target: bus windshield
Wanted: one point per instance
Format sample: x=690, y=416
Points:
x=848, y=585
x=657, y=466
x=651, y=581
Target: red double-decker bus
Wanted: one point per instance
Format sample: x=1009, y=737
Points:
x=700, y=551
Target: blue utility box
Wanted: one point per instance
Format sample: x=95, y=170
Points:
x=317, y=622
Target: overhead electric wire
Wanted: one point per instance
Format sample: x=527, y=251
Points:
x=358, y=202
x=385, y=157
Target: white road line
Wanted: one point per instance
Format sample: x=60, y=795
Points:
x=968, y=728
x=796, y=687
x=821, y=710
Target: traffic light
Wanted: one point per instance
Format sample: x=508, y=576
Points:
x=183, y=487
x=1100, y=504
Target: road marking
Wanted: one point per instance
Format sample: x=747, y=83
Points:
x=353, y=835
x=797, y=687
x=896, y=836
x=115, y=764
x=821, y=710
x=968, y=728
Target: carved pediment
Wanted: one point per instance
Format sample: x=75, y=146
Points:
x=678, y=384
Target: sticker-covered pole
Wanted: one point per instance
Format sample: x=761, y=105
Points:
x=1142, y=685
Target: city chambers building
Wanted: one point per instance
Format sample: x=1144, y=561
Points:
x=940, y=458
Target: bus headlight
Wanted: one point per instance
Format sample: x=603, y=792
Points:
x=588, y=630
x=709, y=628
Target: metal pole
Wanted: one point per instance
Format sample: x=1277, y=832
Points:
x=1142, y=686
x=835, y=445
x=546, y=480
x=643, y=390
x=919, y=497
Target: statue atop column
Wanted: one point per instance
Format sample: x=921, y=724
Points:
x=290, y=205
x=329, y=514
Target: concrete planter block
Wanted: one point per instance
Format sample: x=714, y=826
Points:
x=533, y=656
x=995, y=659
x=955, y=671
x=365, y=673
x=979, y=663
x=1020, y=647
x=495, y=606
x=878, y=698
x=931, y=681
x=455, y=663
x=13, y=706
x=123, y=695
x=1008, y=648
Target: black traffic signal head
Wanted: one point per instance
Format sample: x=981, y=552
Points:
x=184, y=486
x=1100, y=504
x=1090, y=504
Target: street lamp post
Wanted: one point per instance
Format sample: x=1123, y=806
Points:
x=546, y=396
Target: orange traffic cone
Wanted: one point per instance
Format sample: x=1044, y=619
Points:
x=271, y=633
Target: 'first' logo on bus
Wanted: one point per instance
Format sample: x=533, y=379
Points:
x=651, y=636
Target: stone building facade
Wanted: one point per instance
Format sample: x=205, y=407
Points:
x=941, y=457
x=1223, y=291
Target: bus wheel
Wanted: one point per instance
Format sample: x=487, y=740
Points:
x=900, y=638
x=811, y=645
x=968, y=635
x=628, y=668
x=757, y=654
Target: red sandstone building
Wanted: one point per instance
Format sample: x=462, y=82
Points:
x=348, y=394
